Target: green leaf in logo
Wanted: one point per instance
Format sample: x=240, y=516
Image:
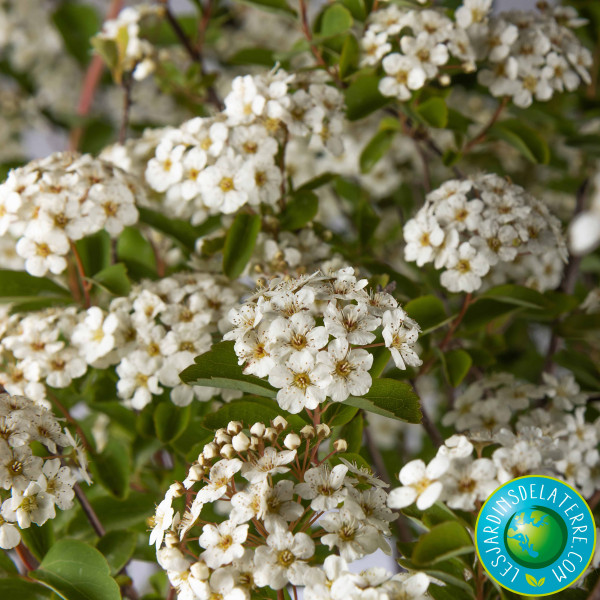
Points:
x=531, y=580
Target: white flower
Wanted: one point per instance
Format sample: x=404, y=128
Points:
x=349, y=370
x=270, y=463
x=422, y=236
x=465, y=270
x=472, y=12
x=353, y=537
x=18, y=467
x=44, y=251
x=324, y=487
x=400, y=339
x=296, y=334
x=138, y=379
x=194, y=162
x=404, y=73
x=9, y=534
x=254, y=351
x=32, y=505
x=429, y=55
x=420, y=483
x=58, y=482
x=166, y=168
x=261, y=179
x=282, y=560
x=162, y=520
x=352, y=322
x=302, y=382
x=221, y=473
x=223, y=543
x=374, y=46
x=95, y=336
x=468, y=481
x=223, y=184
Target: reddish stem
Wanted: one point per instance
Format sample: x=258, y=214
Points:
x=85, y=284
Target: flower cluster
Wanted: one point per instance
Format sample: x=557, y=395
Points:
x=219, y=164
x=336, y=582
x=553, y=439
x=278, y=503
x=467, y=227
x=150, y=335
x=529, y=56
x=412, y=45
x=37, y=484
x=283, y=332
x=50, y=203
x=136, y=55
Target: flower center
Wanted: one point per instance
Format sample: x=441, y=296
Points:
x=302, y=380
x=226, y=184
x=285, y=558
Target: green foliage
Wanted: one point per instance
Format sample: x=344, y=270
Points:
x=18, y=286
x=374, y=151
x=336, y=19
x=77, y=23
x=112, y=468
x=300, y=210
x=170, y=421
x=76, y=571
x=456, y=365
x=114, y=279
x=434, y=112
x=441, y=542
x=117, y=547
x=239, y=243
x=525, y=139
x=363, y=97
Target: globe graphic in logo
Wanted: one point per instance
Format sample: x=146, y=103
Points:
x=535, y=536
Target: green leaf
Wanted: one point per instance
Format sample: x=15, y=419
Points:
x=249, y=412
x=218, y=368
x=336, y=19
x=457, y=121
x=456, y=366
x=15, y=588
x=442, y=542
x=357, y=8
x=367, y=222
x=253, y=56
x=96, y=135
x=112, y=468
x=338, y=413
x=7, y=566
x=114, y=280
x=137, y=253
x=583, y=367
x=352, y=432
x=117, y=547
x=77, y=23
x=434, y=112
x=179, y=231
x=517, y=295
x=39, y=539
x=301, y=209
x=76, y=571
x=170, y=421
x=376, y=149
x=116, y=514
x=239, y=243
x=531, y=580
x=363, y=97
x=390, y=398
x=349, y=56
x=95, y=252
x=19, y=286
x=317, y=182
x=522, y=137
x=427, y=311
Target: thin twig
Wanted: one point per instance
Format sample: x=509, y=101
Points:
x=72, y=421
x=126, y=85
x=480, y=137
x=431, y=429
x=89, y=511
x=85, y=284
x=25, y=556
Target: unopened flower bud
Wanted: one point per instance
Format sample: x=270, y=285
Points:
x=279, y=423
x=200, y=570
x=292, y=441
x=270, y=434
x=210, y=450
x=222, y=438
x=323, y=430
x=234, y=427
x=195, y=474
x=444, y=79
x=258, y=429
x=340, y=445
x=308, y=432
x=202, y=461
x=227, y=451
x=241, y=442
x=171, y=539
x=254, y=443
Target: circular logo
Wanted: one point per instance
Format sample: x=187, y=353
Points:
x=535, y=535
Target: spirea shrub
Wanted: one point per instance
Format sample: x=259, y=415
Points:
x=289, y=289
